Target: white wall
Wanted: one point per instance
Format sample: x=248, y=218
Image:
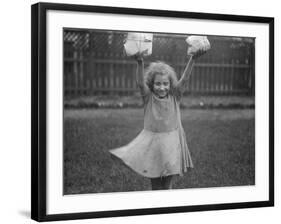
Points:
x=15, y=110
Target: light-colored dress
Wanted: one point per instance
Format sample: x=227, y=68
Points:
x=160, y=149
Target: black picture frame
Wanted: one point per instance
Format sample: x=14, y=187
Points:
x=39, y=120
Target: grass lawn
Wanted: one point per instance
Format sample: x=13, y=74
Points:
x=221, y=142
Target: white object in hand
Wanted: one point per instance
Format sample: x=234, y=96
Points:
x=138, y=43
x=197, y=43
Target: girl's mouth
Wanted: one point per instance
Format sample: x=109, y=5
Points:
x=162, y=93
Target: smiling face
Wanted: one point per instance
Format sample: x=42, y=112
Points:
x=161, y=85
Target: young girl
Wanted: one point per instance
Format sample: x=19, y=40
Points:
x=160, y=151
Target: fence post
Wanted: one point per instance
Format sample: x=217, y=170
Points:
x=111, y=79
x=252, y=68
x=75, y=73
x=81, y=72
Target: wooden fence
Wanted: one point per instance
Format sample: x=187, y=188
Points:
x=94, y=63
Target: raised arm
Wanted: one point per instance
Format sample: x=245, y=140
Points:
x=183, y=82
x=198, y=45
x=140, y=76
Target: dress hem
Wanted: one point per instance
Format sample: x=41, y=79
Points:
x=142, y=174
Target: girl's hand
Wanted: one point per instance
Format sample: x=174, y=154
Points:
x=138, y=57
x=198, y=53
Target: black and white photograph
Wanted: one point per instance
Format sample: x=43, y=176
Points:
x=140, y=112
x=157, y=111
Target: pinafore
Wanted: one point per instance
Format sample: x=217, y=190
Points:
x=160, y=149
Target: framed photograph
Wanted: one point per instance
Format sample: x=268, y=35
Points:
x=139, y=111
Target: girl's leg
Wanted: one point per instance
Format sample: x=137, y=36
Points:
x=167, y=182
x=156, y=183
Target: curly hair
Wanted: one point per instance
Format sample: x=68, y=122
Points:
x=159, y=67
